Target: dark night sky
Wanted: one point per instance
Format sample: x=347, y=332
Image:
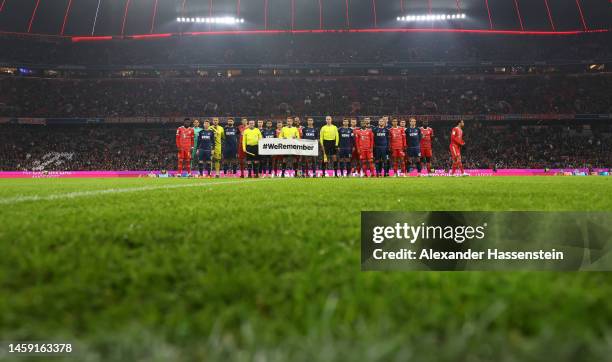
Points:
x=16, y=15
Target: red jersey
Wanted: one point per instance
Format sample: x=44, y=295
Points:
x=427, y=136
x=397, y=138
x=457, y=137
x=241, y=129
x=184, y=137
x=364, y=138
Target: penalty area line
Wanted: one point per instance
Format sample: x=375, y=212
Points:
x=77, y=194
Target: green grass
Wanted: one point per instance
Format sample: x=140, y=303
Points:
x=269, y=270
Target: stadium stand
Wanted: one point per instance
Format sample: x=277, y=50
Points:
x=307, y=49
x=151, y=147
x=542, y=94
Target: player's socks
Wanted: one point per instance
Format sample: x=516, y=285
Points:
x=180, y=167
x=201, y=169
x=419, y=167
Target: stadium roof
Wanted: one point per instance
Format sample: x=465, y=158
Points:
x=105, y=19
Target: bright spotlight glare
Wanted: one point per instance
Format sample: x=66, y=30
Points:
x=215, y=20
x=430, y=17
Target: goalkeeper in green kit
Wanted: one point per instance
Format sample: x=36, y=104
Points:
x=196, y=131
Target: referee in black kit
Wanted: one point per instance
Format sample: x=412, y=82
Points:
x=329, y=141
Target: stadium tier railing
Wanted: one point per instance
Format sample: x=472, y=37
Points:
x=328, y=65
x=318, y=119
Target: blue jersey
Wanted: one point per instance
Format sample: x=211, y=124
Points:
x=206, y=139
x=381, y=137
x=347, y=138
x=268, y=133
x=413, y=137
x=231, y=138
x=309, y=133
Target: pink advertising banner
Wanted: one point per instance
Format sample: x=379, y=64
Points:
x=472, y=172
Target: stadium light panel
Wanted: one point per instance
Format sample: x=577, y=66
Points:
x=431, y=17
x=228, y=20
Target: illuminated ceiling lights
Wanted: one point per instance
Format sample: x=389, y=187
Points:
x=220, y=20
x=431, y=17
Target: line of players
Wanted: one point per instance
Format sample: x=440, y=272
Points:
x=350, y=150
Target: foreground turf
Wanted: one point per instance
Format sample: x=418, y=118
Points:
x=269, y=270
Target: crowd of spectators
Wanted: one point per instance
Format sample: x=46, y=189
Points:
x=152, y=147
x=271, y=96
x=309, y=48
x=87, y=147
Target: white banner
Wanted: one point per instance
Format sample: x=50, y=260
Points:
x=280, y=146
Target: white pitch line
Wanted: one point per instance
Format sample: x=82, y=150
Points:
x=72, y=195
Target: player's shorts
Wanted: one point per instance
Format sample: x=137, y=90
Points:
x=253, y=153
x=397, y=153
x=455, y=151
x=204, y=154
x=330, y=147
x=184, y=153
x=345, y=152
x=414, y=152
x=217, y=153
x=380, y=153
x=426, y=152
x=365, y=154
x=230, y=153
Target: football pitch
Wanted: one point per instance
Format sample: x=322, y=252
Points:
x=269, y=270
